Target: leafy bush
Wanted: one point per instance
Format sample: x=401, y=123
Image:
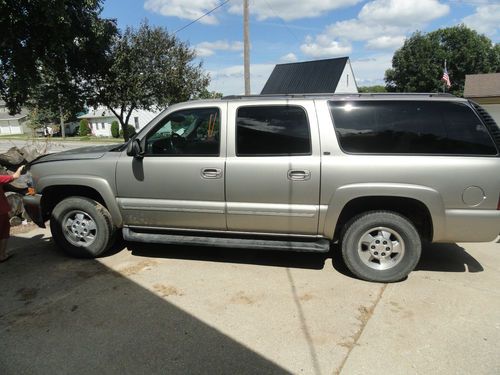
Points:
x=84, y=128
x=115, y=129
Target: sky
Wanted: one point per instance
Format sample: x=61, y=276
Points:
x=282, y=31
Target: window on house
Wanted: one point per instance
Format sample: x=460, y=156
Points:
x=272, y=130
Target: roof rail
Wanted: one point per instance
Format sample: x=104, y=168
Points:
x=307, y=95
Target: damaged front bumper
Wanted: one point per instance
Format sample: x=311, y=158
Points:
x=33, y=206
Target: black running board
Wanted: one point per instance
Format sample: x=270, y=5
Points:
x=320, y=245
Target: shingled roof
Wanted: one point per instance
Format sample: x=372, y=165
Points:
x=482, y=85
x=310, y=77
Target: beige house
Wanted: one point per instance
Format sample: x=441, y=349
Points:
x=16, y=124
x=484, y=89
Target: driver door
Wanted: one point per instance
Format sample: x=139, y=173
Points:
x=179, y=183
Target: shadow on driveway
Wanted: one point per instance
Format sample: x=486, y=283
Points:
x=435, y=257
x=63, y=315
x=240, y=256
x=447, y=257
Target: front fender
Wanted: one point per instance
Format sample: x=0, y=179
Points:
x=344, y=194
x=99, y=184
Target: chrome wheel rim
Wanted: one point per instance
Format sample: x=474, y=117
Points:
x=79, y=228
x=381, y=248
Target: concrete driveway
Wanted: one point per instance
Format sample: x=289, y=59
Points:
x=168, y=310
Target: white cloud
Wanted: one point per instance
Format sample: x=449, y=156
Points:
x=370, y=71
x=402, y=12
x=291, y=9
x=357, y=30
x=205, y=49
x=263, y=9
x=382, y=24
x=187, y=9
x=289, y=58
x=386, y=42
x=229, y=80
x=323, y=46
x=485, y=20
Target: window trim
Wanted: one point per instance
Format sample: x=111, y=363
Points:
x=161, y=124
x=407, y=153
x=237, y=154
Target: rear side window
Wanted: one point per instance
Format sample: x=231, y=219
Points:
x=272, y=130
x=410, y=127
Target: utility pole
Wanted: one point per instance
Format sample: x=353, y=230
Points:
x=246, y=48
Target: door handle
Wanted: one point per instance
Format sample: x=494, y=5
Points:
x=211, y=173
x=299, y=175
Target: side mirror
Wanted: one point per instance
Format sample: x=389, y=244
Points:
x=134, y=149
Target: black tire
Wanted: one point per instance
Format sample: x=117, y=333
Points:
x=87, y=214
x=364, y=258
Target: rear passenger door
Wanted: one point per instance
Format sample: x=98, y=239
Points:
x=273, y=168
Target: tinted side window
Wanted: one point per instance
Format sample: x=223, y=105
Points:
x=272, y=130
x=410, y=127
x=187, y=132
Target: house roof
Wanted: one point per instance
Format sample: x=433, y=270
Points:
x=482, y=85
x=4, y=115
x=320, y=76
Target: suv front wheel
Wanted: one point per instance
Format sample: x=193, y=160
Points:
x=381, y=246
x=82, y=227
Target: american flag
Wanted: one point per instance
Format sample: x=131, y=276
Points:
x=446, y=78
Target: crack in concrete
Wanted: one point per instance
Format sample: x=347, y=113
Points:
x=303, y=324
x=364, y=318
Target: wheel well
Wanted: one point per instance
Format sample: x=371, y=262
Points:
x=414, y=210
x=52, y=195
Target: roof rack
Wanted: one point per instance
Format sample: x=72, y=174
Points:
x=322, y=95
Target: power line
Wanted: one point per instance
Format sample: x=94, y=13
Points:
x=204, y=15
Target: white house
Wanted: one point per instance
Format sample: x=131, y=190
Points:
x=16, y=124
x=485, y=90
x=100, y=120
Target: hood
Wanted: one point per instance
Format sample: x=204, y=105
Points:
x=83, y=153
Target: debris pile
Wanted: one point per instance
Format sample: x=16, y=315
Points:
x=9, y=162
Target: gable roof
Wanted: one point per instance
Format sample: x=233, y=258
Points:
x=309, y=77
x=482, y=85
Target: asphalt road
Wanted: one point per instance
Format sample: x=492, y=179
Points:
x=172, y=309
x=46, y=145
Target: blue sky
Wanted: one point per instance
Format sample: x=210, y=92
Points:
x=368, y=31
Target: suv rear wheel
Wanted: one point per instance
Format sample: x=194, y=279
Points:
x=381, y=246
x=82, y=227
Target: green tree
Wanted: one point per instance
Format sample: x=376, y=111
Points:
x=64, y=37
x=205, y=94
x=376, y=88
x=84, y=128
x=150, y=68
x=418, y=65
x=115, y=129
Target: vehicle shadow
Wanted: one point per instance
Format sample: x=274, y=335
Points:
x=224, y=255
x=447, y=257
x=436, y=257
x=65, y=315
